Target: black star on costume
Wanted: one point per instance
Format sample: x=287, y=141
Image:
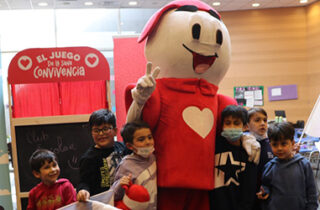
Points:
x=229, y=170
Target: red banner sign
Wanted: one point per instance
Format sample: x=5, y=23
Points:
x=41, y=65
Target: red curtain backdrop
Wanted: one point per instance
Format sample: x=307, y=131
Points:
x=30, y=100
x=129, y=66
x=82, y=97
x=65, y=98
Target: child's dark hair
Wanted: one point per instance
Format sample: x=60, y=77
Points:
x=102, y=116
x=254, y=110
x=128, y=130
x=39, y=157
x=236, y=112
x=281, y=131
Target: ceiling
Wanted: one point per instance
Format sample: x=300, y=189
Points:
x=225, y=5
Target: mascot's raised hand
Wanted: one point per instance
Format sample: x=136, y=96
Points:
x=141, y=93
x=145, y=85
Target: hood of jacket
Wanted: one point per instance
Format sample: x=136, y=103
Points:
x=296, y=158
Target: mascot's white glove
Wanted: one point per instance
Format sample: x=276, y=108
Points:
x=252, y=147
x=141, y=93
x=145, y=85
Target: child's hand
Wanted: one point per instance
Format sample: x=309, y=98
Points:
x=262, y=195
x=83, y=195
x=125, y=180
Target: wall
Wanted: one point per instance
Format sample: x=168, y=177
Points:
x=313, y=43
x=269, y=47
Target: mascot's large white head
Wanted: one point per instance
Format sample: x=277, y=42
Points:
x=187, y=39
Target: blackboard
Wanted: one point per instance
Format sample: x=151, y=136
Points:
x=68, y=141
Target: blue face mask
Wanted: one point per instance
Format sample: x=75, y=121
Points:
x=232, y=134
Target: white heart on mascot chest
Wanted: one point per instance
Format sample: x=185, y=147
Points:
x=200, y=121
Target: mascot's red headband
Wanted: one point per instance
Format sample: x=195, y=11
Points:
x=151, y=24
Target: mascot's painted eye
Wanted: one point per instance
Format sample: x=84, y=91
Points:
x=196, y=28
x=219, y=37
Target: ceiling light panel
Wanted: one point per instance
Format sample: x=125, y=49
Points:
x=50, y=4
x=216, y=4
x=43, y=4
x=132, y=3
x=88, y=3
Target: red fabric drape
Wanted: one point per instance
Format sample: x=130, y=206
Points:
x=82, y=97
x=31, y=100
x=65, y=98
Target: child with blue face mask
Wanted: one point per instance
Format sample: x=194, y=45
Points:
x=235, y=177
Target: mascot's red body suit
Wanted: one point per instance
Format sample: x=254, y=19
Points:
x=191, y=47
x=184, y=114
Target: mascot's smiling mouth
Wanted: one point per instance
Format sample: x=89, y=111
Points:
x=201, y=63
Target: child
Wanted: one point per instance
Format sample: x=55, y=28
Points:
x=139, y=167
x=287, y=180
x=258, y=127
x=235, y=176
x=98, y=164
x=50, y=193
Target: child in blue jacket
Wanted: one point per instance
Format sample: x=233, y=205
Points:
x=287, y=180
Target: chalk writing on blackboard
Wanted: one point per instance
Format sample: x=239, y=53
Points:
x=68, y=141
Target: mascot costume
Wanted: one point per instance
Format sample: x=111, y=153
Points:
x=190, y=47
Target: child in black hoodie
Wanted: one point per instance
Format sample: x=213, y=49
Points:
x=235, y=177
x=98, y=164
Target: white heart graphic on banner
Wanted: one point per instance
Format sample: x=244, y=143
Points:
x=199, y=121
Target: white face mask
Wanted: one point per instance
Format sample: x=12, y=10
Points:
x=144, y=151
